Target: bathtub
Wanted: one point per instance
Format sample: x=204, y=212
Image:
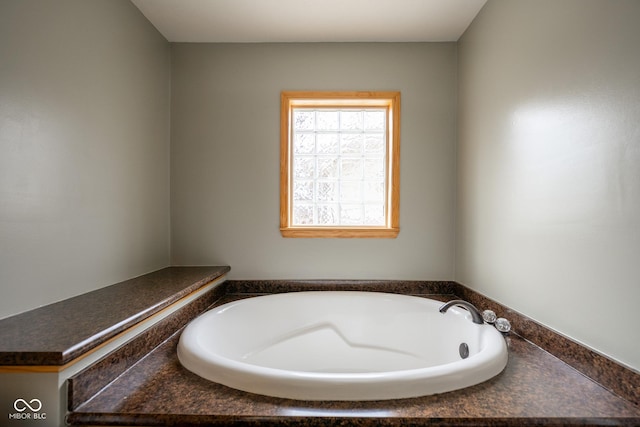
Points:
x=339, y=345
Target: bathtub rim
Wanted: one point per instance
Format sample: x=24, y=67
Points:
x=340, y=386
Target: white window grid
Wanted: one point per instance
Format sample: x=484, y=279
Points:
x=358, y=147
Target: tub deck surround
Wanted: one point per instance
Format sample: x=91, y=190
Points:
x=407, y=287
x=56, y=334
x=96, y=376
x=619, y=379
x=536, y=388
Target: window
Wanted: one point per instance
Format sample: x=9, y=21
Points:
x=339, y=164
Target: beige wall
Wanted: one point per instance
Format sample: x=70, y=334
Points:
x=225, y=157
x=84, y=148
x=549, y=165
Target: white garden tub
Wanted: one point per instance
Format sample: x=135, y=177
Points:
x=341, y=346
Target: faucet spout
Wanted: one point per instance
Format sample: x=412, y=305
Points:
x=475, y=314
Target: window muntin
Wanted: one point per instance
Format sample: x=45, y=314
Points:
x=339, y=164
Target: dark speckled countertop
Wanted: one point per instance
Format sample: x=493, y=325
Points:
x=58, y=333
x=535, y=388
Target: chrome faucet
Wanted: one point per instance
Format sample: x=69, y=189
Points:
x=475, y=314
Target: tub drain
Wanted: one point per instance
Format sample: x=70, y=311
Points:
x=464, y=350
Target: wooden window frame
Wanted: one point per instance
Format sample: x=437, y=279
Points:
x=389, y=100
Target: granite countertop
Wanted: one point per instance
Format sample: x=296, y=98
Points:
x=535, y=388
x=58, y=333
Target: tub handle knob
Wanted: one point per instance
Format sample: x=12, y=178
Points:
x=489, y=316
x=503, y=325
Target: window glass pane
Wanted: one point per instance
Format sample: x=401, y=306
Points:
x=374, y=144
x=303, y=120
x=351, y=191
x=374, y=169
x=304, y=167
x=351, y=214
x=374, y=214
x=327, y=120
x=374, y=120
x=351, y=120
x=328, y=191
x=328, y=143
x=328, y=167
x=328, y=215
x=302, y=214
x=351, y=168
x=304, y=143
x=374, y=191
x=351, y=143
x=303, y=190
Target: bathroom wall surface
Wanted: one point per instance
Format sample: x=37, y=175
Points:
x=548, y=200
x=84, y=148
x=225, y=143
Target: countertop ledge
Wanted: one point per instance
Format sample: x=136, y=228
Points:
x=535, y=388
x=56, y=334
